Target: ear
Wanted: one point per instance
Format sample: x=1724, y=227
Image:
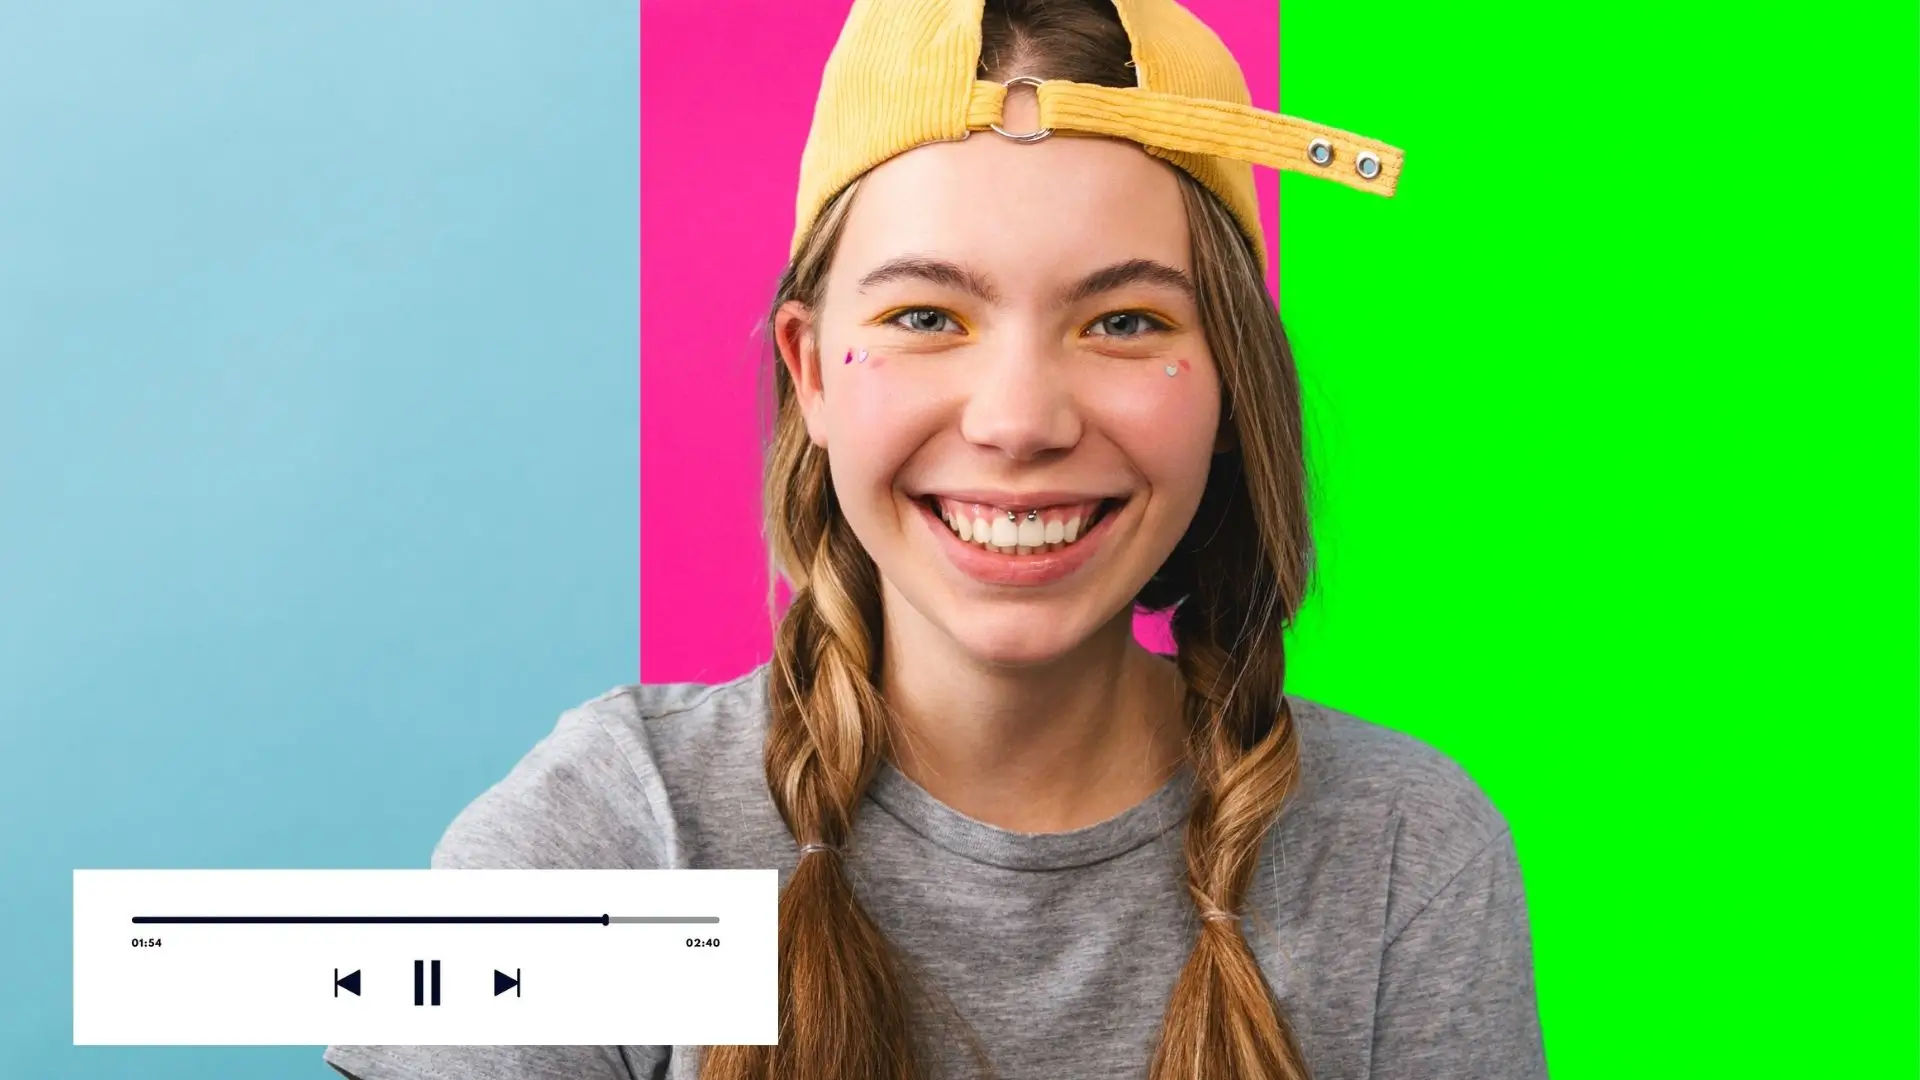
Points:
x=793, y=333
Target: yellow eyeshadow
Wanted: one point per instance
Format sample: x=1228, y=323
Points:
x=1169, y=323
x=886, y=320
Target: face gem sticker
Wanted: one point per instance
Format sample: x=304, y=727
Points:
x=852, y=357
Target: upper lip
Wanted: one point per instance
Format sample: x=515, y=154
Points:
x=1019, y=500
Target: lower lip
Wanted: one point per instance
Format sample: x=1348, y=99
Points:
x=1036, y=568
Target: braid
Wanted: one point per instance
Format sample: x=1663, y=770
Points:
x=821, y=750
x=1222, y=1021
x=1237, y=577
x=843, y=998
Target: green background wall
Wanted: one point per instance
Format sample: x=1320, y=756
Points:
x=1614, y=409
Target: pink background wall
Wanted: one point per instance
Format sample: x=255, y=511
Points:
x=726, y=93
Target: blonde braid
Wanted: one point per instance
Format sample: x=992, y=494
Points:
x=1222, y=1021
x=843, y=997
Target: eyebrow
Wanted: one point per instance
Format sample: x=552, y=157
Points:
x=1104, y=280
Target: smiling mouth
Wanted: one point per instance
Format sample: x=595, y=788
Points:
x=1020, y=531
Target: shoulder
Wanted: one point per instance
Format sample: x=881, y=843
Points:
x=1416, y=808
x=708, y=726
x=605, y=787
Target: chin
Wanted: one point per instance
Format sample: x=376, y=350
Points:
x=1020, y=641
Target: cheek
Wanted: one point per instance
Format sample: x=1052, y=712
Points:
x=878, y=416
x=1166, y=423
x=876, y=420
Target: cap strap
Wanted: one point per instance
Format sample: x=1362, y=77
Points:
x=1202, y=126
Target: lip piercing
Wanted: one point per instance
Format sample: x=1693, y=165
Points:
x=1033, y=515
x=1011, y=516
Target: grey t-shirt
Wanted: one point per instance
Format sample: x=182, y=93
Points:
x=1387, y=908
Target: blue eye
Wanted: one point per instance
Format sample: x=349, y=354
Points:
x=1119, y=324
x=921, y=320
x=1126, y=324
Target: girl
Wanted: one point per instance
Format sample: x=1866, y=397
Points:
x=1025, y=384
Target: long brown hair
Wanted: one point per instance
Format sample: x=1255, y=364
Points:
x=1237, y=577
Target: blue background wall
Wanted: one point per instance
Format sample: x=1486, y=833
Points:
x=318, y=441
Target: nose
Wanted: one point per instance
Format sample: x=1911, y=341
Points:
x=1021, y=403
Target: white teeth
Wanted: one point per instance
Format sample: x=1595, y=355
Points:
x=1019, y=534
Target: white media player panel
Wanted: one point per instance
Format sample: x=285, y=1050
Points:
x=423, y=957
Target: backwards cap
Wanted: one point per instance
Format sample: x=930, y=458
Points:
x=903, y=74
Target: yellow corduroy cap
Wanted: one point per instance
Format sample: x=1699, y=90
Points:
x=903, y=74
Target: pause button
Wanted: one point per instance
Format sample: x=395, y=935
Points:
x=426, y=989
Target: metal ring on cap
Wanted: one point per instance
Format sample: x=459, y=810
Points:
x=1367, y=164
x=1320, y=152
x=1031, y=136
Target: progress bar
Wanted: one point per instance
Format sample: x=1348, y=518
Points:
x=600, y=920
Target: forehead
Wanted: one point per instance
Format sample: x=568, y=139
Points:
x=1024, y=214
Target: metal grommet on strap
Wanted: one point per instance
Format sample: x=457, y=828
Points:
x=1320, y=152
x=1031, y=136
x=1367, y=164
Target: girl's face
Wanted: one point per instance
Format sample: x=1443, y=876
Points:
x=1010, y=380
